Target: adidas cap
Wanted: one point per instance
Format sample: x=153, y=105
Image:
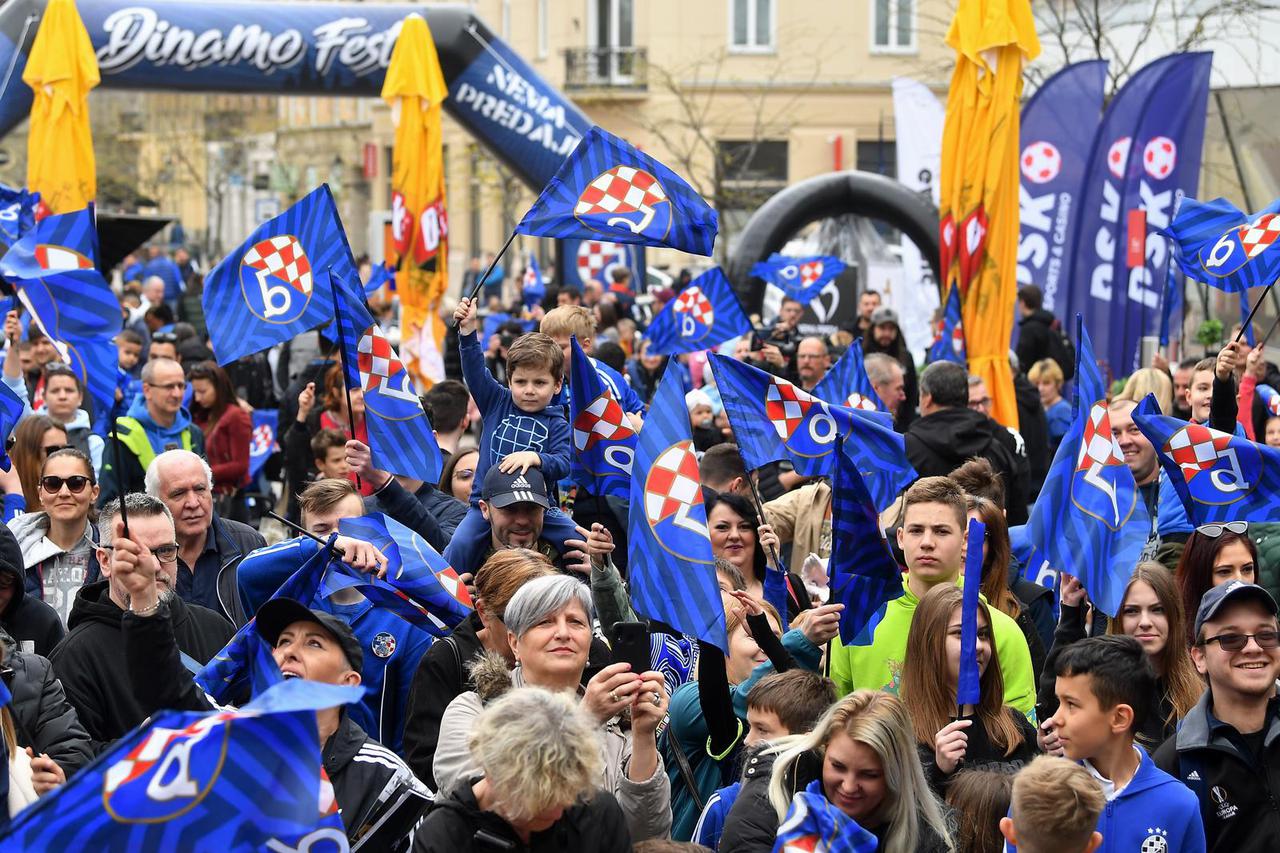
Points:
x=503, y=490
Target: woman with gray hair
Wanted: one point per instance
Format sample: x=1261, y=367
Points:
x=549, y=628
x=539, y=759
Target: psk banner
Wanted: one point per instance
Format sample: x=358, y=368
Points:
x=1145, y=156
x=1058, y=126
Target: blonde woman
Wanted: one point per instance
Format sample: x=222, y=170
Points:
x=1146, y=381
x=869, y=770
x=540, y=761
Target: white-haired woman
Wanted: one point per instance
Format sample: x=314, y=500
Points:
x=549, y=628
x=869, y=769
x=538, y=760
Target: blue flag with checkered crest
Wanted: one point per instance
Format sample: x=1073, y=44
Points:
x=673, y=573
x=604, y=443
x=948, y=344
x=801, y=279
x=815, y=823
x=1221, y=246
x=705, y=314
x=847, y=383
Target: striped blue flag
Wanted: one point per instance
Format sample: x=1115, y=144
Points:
x=264, y=440
x=532, y=288
x=948, y=344
x=269, y=289
x=773, y=420
x=703, y=315
x=1089, y=515
x=1219, y=477
x=17, y=213
x=1220, y=245
x=1170, y=300
x=673, y=574
x=607, y=189
x=801, y=279
x=814, y=823
x=865, y=577
x=382, y=275
x=847, y=383
x=1270, y=399
x=400, y=436
x=968, y=687
x=604, y=443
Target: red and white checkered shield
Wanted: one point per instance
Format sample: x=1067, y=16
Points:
x=1258, y=235
x=595, y=256
x=811, y=272
x=1196, y=448
x=674, y=487
x=693, y=302
x=603, y=420
x=381, y=371
x=786, y=405
x=622, y=190
x=860, y=401
x=282, y=258
x=55, y=258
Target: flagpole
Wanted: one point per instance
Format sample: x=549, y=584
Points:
x=305, y=532
x=1254, y=310
x=342, y=348
x=115, y=453
x=481, y=280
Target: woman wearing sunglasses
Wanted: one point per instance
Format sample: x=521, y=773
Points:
x=57, y=542
x=1214, y=554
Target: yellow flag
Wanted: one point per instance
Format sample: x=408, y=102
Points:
x=415, y=89
x=979, y=215
x=60, y=71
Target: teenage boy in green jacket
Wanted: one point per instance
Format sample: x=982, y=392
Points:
x=932, y=538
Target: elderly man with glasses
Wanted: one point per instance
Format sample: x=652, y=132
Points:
x=90, y=661
x=154, y=423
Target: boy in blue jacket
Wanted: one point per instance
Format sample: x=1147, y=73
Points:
x=521, y=430
x=1105, y=686
x=393, y=648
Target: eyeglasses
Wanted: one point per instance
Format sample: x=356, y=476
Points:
x=1213, y=531
x=980, y=405
x=1236, y=642
x=53, y=485
x=54, y=448
x=165, y=553
x=172, y=386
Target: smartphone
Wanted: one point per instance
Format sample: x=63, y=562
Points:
x=757, y=342
x=631, y=645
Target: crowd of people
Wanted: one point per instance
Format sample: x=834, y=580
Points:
x=555, y=717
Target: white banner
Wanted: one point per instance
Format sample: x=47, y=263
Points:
x=917, y=117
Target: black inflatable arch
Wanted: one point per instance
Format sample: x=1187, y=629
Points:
x=860, y=193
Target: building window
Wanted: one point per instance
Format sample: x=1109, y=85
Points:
x=893, y=26
x=544, y=28
x=751, y=25
x=748, y=173
x=879, y=156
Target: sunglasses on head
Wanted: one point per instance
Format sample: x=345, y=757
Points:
x=1235, y=642
x=1213, y=531
x=53, y=485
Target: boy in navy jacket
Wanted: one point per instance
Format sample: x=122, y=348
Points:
x=1104, y=686
x=521, y=430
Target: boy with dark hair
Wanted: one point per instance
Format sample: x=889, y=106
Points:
x=1104, y=685
x=782, y=704
x=329, y=450
x=447, y=404
x=521, y=430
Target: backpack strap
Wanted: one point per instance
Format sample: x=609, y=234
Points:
x=682, y=764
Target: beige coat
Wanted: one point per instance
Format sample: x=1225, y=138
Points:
x=797, y=518
x=646, y=804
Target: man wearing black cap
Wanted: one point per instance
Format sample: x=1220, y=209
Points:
x=367, y=777
x=1227, y=750
x=885, y=335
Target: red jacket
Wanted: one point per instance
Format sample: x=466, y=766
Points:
x=227, y=450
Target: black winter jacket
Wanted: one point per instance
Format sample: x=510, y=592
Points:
x=1033, y=425
x=26, y=617
x=235, y=541
x=91, y=660
x=981, y=753
x=1033, y=339
x=456, y=824
x=1237, y=791
x=42, y=717
x=429, y=512
x=941, y=442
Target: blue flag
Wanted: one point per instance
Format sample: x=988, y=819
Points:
x=1089, y=515
x=1058, y=125
x=420, y=586
x=380, y=276
x=265, y=439
x=270, y=288
x=847, y=383
x=1145, y=156
x=801, y=279
x=240, y=667
x=968, y=687
x=604, y=443
x=1170, y=301
x=705, y=314
x=814, y=823
x=234, y=780
x=400, y=436
x=948, y=343
x=17, y=213
x=864, y=575
x=773, y=420
x=1270, y=399
x=532, y=288
x=1222, y=246
x=11, y=410
x=673, y=574
x=606, y=189
x=1246, y=323
x=1219, y=477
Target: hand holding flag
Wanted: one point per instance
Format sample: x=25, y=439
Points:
x=968, y=688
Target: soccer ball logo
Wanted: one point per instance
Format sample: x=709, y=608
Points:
x=1160, y=157
x=1041, y=162
x=1118, y=156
